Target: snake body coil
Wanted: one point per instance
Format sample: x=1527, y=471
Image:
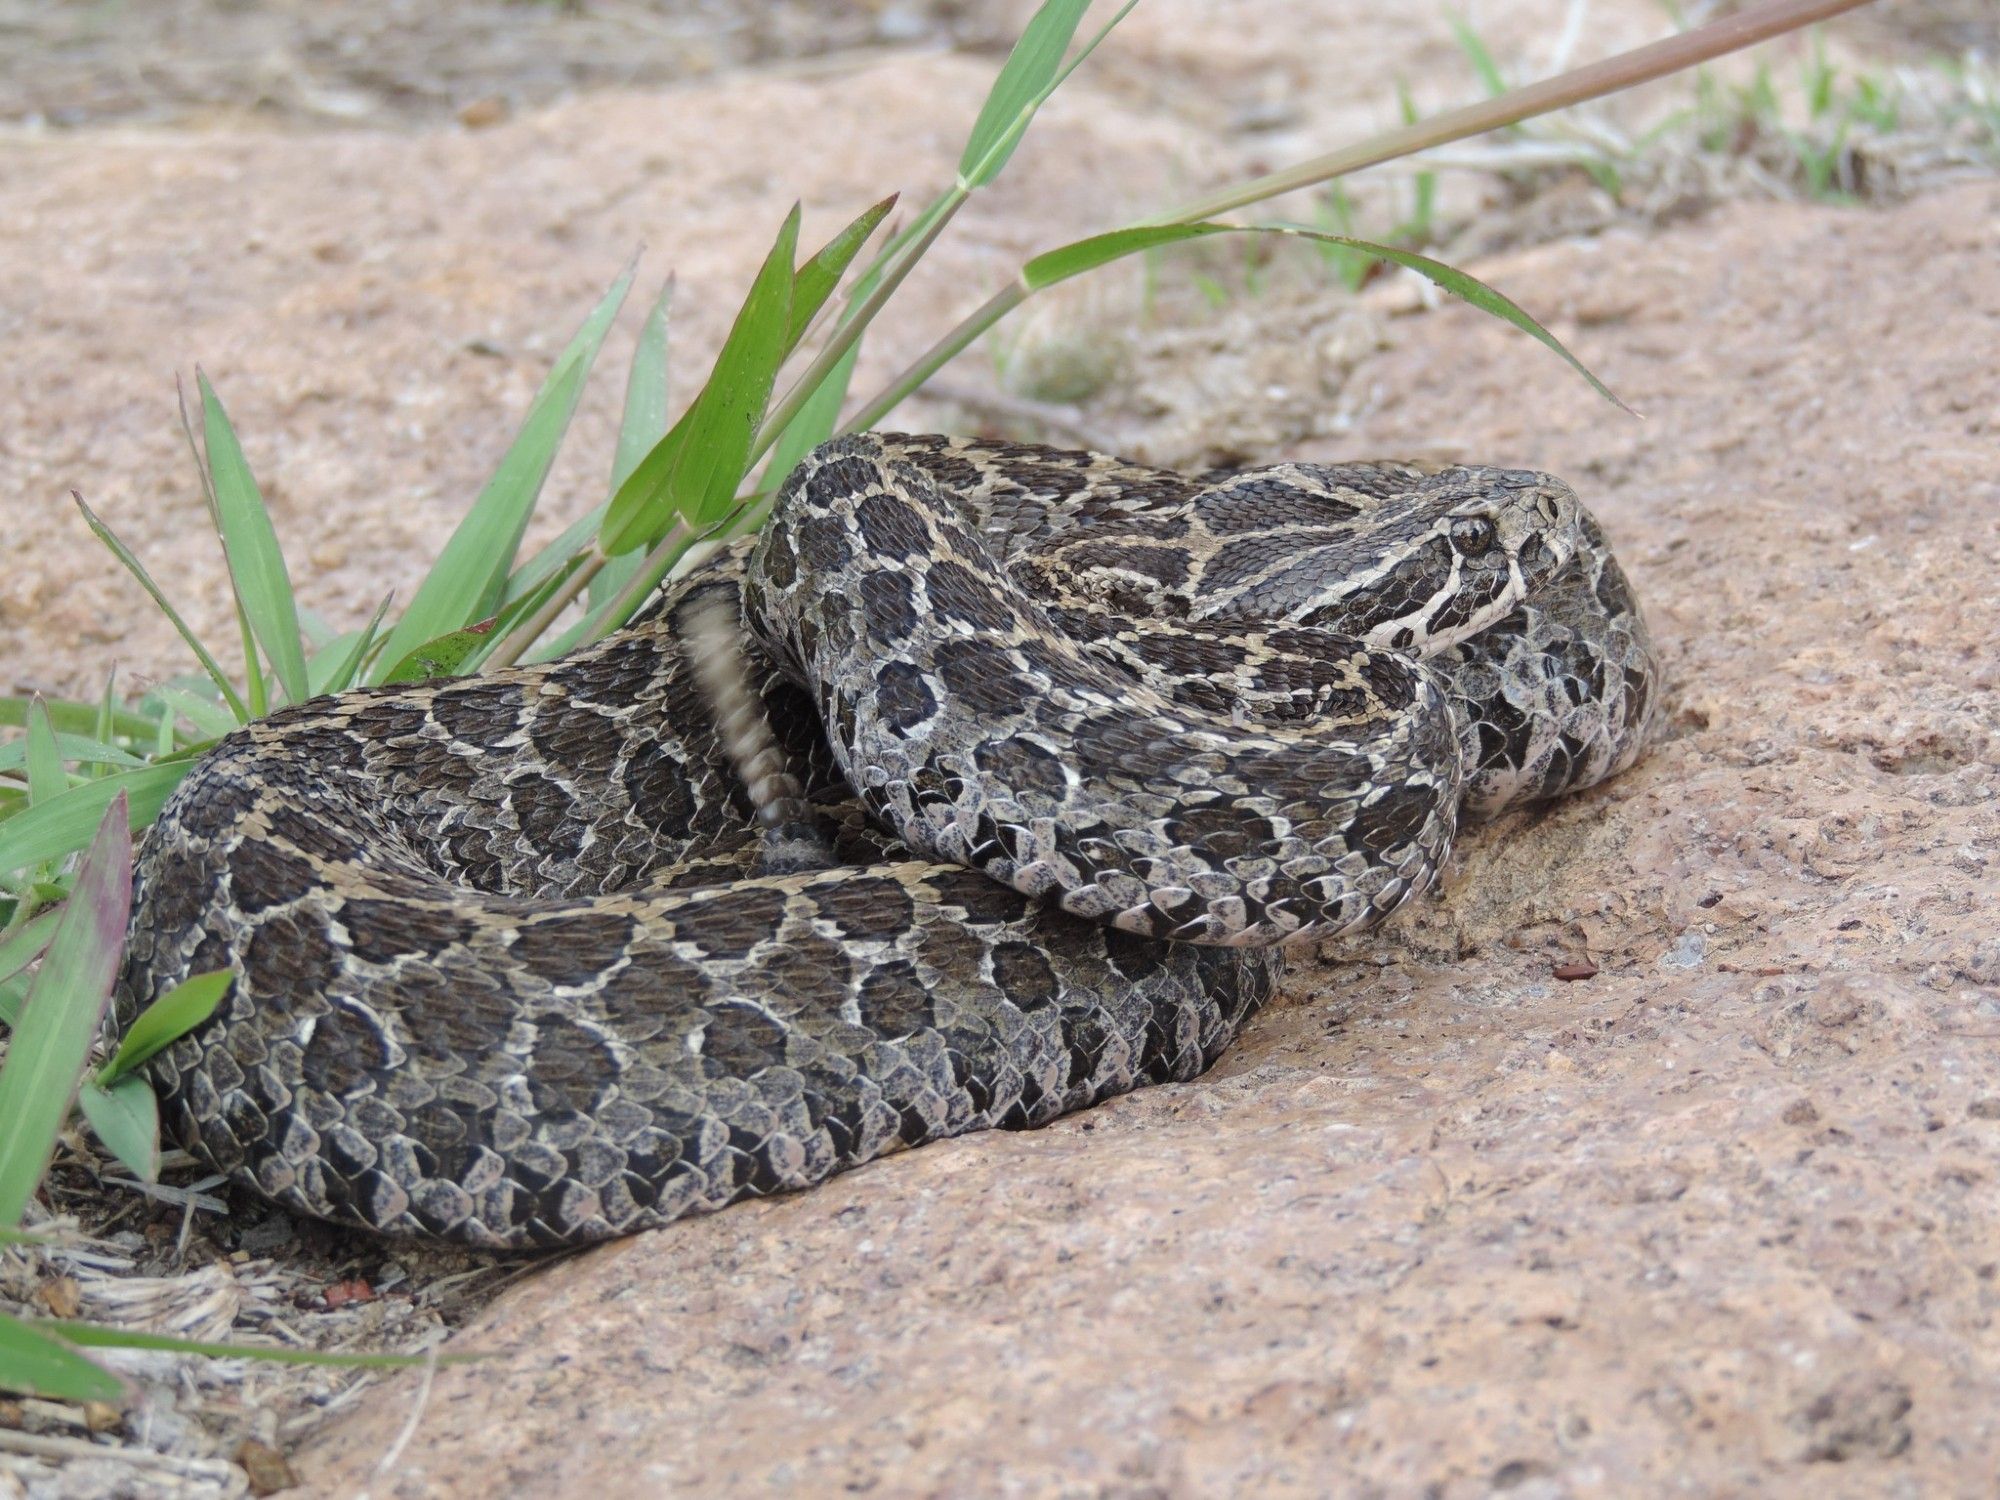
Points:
x=514, y=964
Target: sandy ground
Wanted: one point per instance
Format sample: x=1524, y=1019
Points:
x=1717, y=1220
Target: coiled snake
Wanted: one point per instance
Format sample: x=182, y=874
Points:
x=516, y=963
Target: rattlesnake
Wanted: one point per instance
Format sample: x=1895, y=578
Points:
x=516, y=964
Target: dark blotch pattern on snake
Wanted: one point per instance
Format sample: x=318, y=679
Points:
x=1092, y=741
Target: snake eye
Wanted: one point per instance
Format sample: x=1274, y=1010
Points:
x=1473, y=535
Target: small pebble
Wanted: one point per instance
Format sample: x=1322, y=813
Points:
x=266, y=1467
x=345, y=1293
x=483, y=112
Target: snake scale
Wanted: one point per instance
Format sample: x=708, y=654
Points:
x=1058, y=752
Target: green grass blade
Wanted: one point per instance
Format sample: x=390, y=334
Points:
x=872, y=290
x=555, y=558
x=101, y=731
x=52, y=1041
x=63, y=825
x=1476, y=52
x=1417, y=229
x=641, y=427
x=644, y=420
x=469, y=578
x=919, y=228
x=165, y=1021
x=695, y=469
x=25, y=944
x=818, y=277
x=130, y=561
x=83, y=749
x=257, y=693
x=1487, y=299
x=91, y=1336
x=314, y=629
x=256, y=565
x=19, y=949
x=71, y=717
x=210, y=720
x=1032, y=73
x=1086, y=255
x=1060, y=264
x=716, y=453
x=468, y=650
x=444, y=657
x=654, y=565
x=595, y=622
x=1025, y=81
x=815, y=422
x=577, y=632
x=126, y=1118
x=253, y=668
x=338, y=667
x=46, y=777
x=33, y=1364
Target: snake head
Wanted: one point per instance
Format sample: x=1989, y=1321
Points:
x=1463, y=553
x=1509, y=539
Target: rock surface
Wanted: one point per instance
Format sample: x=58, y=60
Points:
x=1720, y=1219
